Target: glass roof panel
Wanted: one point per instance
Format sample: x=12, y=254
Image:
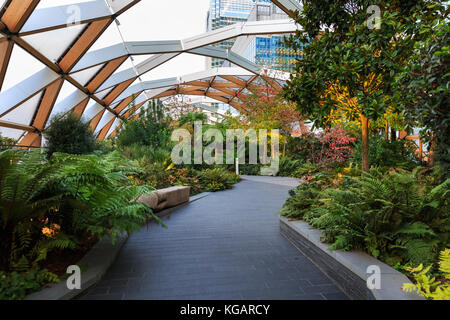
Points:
x=21, y=66
x=107, y=117
x=24, y=113
x=110, y=37
x=66, y=90
x=53, y=44
x=11, y=133
x=85, y=75
x=179, y=66
x=103, y=93
x=114, y=126
x=55, y=3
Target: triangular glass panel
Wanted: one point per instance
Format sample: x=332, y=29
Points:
x=21, y=66
x=25, y=112
x=53, y=44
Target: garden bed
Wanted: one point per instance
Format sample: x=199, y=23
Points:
x=94, y=264
x=58, y=260
x=97, y=261
x=347, y=269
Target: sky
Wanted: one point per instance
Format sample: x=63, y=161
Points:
x=147, y=20
x=167, y=20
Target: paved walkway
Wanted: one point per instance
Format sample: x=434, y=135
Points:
x=224, y=246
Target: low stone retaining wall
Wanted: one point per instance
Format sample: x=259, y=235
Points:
x=349, y=270
x=98, y=260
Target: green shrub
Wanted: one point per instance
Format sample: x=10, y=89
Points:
x=15, y=286
x=303, y=147
x=307, y=169
x=188, y=119
x=186, y=177
x=250, y=169
x=217, y=179
x=329, y=148
x=69, y=134
x=153, y=174
x=151, y=165
x=6, y=143
x=288, y=166
x=151, y=129
x=392, y=154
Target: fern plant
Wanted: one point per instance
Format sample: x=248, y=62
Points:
x=104, y=194
x=47, y=205
x=29, y=188
x=302, y=200
x=395, y=216
x=426, y=284
x=391, y=215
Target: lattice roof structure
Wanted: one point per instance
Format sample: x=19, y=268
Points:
x=99, y=92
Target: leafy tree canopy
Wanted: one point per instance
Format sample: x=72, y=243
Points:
x=424, y=87
x=152, y=128
x=353, y=59
x=69, y=134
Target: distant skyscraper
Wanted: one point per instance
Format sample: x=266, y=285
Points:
x=224, y=13
x=267, y=50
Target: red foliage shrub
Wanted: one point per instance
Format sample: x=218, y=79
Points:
x=329, y=148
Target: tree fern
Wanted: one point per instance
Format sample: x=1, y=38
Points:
x=78, y=193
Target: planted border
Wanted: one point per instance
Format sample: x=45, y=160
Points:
x=347, y=269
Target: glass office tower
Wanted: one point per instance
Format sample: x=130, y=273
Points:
x=268, y=50
x=224, y=13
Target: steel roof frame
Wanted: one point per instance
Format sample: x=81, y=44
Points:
x=20, y=18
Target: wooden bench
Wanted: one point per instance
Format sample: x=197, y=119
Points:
x=166, y=198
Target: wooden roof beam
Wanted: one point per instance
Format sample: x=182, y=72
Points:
x=104, y=74
x=45, y=107
x=6, y=48
x=235, y=80
x=95, y=121
x=105, y=130
x=18, y=13
x=83, y=43
x=18, y=126
x=117, y=91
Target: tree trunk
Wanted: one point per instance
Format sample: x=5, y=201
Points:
x=386, y=130
x=365, y=143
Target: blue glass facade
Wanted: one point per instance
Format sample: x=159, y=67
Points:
x=227, y=12
x=268, y=51
x=272, y=53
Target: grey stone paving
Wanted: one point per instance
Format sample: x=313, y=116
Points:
x=225, y=246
